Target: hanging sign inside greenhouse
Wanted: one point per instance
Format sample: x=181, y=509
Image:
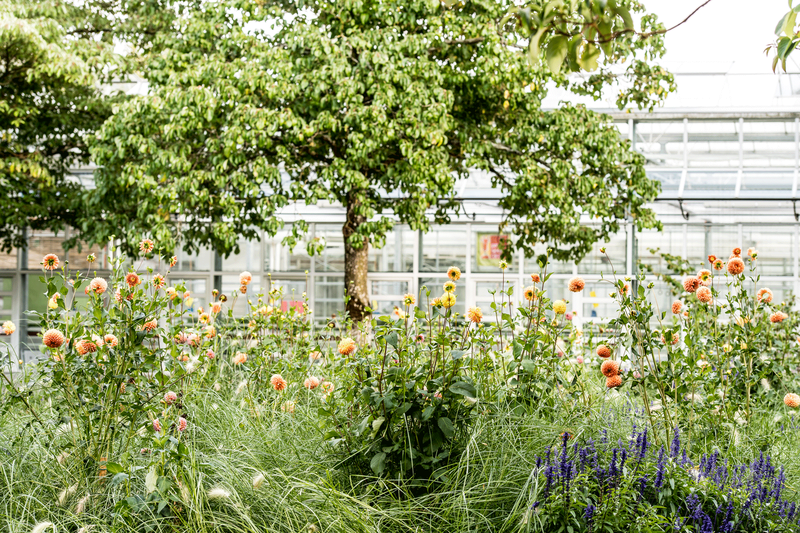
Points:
x=490, y=247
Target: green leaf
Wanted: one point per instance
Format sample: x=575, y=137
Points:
x=377, y=463
x=626, y=16
x=556, y=52
x=788, y=27
x=534, y=49
x=163, y=485
x=463, y=389
x=784, y=47
x=588, y=59
x=446, y=425
x=392, y=339
x=114, y=468
x=781, y=22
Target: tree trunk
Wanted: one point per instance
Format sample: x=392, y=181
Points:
x=355, y=266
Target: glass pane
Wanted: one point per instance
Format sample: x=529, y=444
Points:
x=387, y=288
x=553, y=266
x=651, y=244
x=278, y=258
x=77, y=259
x=332, y=258
x=783, y=291
x=197, y=288
x=41, y=243
x=292, y=292
x=5, y=303
x=248, y=258
x=722, y=241
x=699, y=243
x=442, y=248
x=6, y=284
x=483, y=298
x=37, y=294
x=396, y=255
x=386, y=308
x=8, y=261
x=596, y=262
x=488, y=245
x=596, y=301
x=199, y=262
x=329, y=296
x=292, y=289
x=774, y=246
x=555, y=289
x=435, y=286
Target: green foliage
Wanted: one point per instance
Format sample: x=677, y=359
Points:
x=104, y=362
x=427, y=417
x=788, y=37
x=49, y=101
x=711, y=360
x=597, y=37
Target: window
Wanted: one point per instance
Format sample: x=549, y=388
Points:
x=248, y=258
x=396, y=255
x=332, y=258
x=279, y=258
x=553, y=266
x=41, y=243
x=443, y=247
x=775, y=246
x=328, y=296
x=596, y=262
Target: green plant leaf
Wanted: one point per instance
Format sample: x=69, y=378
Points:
x=446, y=425
x=463, y=389
x=377, y=463
x=557, y=49
x=122, y=477
x=588, y=59
x=534, y=49
x=114, y=468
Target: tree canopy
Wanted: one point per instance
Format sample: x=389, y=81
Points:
x=379, y=106
x=49, y=100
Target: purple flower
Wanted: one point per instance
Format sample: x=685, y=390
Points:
x=588, y=514
x=662, y=461
x=675, y=446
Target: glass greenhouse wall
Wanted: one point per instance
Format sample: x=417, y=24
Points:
x=727, y=181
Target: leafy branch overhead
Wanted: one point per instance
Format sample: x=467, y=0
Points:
x=596, y=37
x=788, y=38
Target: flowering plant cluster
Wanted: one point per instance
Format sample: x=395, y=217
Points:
x=110, y=358
x=704, y=358
x=597, y=485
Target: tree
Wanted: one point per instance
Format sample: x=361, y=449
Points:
x=49, y=99
x=57, y=69
x=379, y=106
